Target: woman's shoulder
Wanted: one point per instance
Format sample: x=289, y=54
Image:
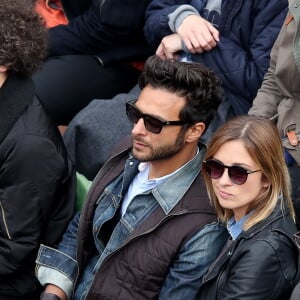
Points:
x=276, y=237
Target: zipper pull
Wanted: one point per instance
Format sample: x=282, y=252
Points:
x=288, y=19
x=291, y=134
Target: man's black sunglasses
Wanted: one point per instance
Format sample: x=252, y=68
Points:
x=215, y=169
x=152, y=124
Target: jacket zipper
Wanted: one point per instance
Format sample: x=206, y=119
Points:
x=4, y=221
x=101, y=5
x=218, y=284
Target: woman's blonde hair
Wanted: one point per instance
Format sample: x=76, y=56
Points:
x=262, y=141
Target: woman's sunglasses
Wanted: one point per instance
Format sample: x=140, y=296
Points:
x=152, y=124
x=215, y=169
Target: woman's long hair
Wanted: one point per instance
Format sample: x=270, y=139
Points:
x=262, y=141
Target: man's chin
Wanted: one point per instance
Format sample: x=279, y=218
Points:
x=142, y=157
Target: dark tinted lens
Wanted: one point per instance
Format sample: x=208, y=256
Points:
x=132, y=113
x=152, y=124
x=238, y=175
x=214, y=169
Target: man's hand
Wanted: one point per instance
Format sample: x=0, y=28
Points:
x=53, y=289
x=169, y=46
x=198, y=34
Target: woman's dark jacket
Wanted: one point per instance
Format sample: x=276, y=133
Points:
x=260, y=264
x=36, y=185
x=110, y=29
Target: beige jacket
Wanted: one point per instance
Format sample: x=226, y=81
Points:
x=279, y=96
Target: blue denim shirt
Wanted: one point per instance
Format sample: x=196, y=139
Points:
x=59, y=266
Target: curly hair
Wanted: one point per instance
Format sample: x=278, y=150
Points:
x=23, y=37
x=199, y=85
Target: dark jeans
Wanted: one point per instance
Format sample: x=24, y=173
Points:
x=66, y=84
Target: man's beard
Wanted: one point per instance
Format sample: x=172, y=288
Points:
x=163, y=152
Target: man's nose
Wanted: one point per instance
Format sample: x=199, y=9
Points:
x=139, y=127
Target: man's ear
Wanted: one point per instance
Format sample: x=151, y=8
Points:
x=3, y=75
x=195, y=132
x=3, y=69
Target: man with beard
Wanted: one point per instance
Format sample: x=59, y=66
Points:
x=147, y=229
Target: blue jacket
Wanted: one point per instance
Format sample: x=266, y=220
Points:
x=248, y=30
x=152, y=252
x=112, y=29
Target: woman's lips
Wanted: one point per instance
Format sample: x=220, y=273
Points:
x=224, y=195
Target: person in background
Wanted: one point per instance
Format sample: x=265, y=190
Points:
x=238, y=39
x=95, y=50
x=249, y=185
x=146, y=229
x=278, y=98
x=36, y=178
x=233, y=38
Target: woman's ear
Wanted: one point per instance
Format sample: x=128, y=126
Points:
x=195, y=132
x=265, y=184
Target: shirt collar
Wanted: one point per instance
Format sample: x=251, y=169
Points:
x=236, y=227
x=144, y=168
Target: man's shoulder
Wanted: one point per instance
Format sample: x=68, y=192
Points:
x=124, y=144
x=196, y=197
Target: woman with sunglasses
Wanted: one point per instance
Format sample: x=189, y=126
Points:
x=249, y=185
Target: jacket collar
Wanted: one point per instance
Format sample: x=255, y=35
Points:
x=169, y=193
x=190, y=196
x=15, y=95
x=277, y=214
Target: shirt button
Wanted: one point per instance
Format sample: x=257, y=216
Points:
x=131, y=163
x=296, y=5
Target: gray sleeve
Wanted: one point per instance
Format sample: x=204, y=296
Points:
x=178, y=15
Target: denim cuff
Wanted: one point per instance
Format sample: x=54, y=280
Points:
x=177, y=16
x=57, y=260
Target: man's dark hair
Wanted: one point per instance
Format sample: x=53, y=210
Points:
x=199, y=85
x=23, y=37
